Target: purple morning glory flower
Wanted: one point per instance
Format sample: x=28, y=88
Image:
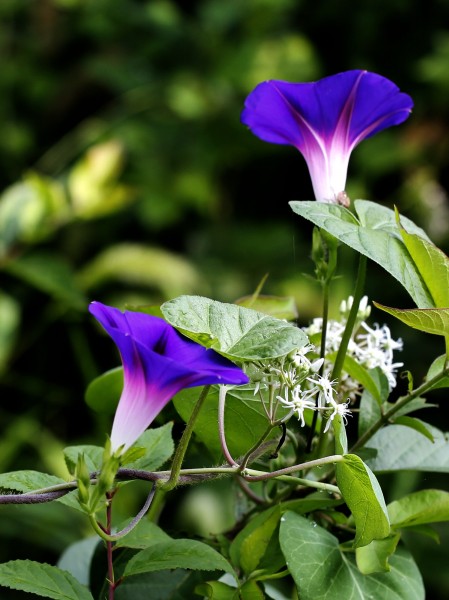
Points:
x=325, y=120
x=157, y=362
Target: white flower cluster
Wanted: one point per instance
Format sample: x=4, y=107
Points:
x=370, y=346
x=295, y=381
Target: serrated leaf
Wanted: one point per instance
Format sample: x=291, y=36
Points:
x=374, y=558
x=322, y=571
x=400, y=448
x=419, y=508
x=42, y=580
x=27, y=481
x=415, y=424
x=361, y=492
x=50, y=274
x=245, y=419
x=236, y=332
x=429, y=320
x=177, y=554
x=145, y=534
x=103, y=393
x=376, y=235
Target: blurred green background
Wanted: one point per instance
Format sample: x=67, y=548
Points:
x=127, y=177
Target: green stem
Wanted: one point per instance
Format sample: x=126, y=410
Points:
x=419, y=391
x=184, y=442
x=352, y=318
x=347, y=334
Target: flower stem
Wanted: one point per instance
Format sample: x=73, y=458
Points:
x=184, y=442
x=221, y=426
x=352, y=318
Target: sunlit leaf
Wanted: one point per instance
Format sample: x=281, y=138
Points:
x=362, y=493
x=376, y=235
x=374, y=558
x=237, y=332
x=430, y=320
x=419, y=508
x=42, y=580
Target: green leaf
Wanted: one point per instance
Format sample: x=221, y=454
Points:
x=177, y=554
x=77, y=558
x=280, y=307
x=178, y=584
x=363, y=495
x=360, y=374
x=429, y=320
x=236, y=332
x=341, y=440
x=145, y=534
x=103, y=393
x=245, y=419
x=158, y=445
x=217, y=590
x=92, y=456
x=50, y=274
x=373, y=558
x=369, y=412
x=415, y=424
x=435, y=369
x=419, y=508
x=42, y=580
x=9, y=325
x=400, y=448
x=322, y=571
x=375, y=235
x=251, y=590
x=27, y=481
x=432, y=264
x=251, y=544
x=136, y=264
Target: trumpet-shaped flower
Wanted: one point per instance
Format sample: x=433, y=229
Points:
x=325, y=120
x=157, y=362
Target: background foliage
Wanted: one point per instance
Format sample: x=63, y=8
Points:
x=127, y=177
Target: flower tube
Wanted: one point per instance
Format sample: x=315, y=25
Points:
x=325, y=120
x=157, y=363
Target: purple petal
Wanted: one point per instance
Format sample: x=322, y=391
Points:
x=158, y=362
x=325, y=120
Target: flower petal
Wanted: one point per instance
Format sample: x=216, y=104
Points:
x=158, y=362
x=325, y=120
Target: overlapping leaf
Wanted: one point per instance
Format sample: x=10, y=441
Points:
x=322, y=571
x=236, y=332
x=374, y=234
